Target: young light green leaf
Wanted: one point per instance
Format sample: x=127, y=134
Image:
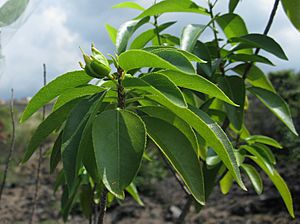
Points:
x=130, y=5
x=263, y=42
x=179, y=151
x=190, y=35
x=254, y=177
x=255, y=77
x=119, y=139
x=112, y=33
x=56, y=87
x=226, y=183
x=234, y=87
x=145, y=37
x=264, y=140
x=292, y=9
x=167, y=6
x=75, y=93
x=279, y=184
x=125, y=31
x=197, y=83
x=50, y=124
x=276, y=104
x=131, y=189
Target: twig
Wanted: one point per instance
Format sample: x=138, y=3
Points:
x=12, y=142
x=266, y=31
x=185, y=210
x=102, y=211
x=37, y=182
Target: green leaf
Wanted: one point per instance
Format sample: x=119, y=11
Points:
x=249, y=58
x=56, y=87
x=119, y=139
x=125, y=31
x=254, y=177
x=11, y=10
x=264, y=140
x=226, y=183
x=127, y=60
x=164, y=114
x=145, y=37
x=234, y=87
x=190, y=35
x=292, y=9
x=255, y=77
x=266, y=152
x=202, y=51
x=112, y=32
x=200, y=122
x=173, y=6
x=50, y=124
x=232, y=5
x=56, y=153
x=131, y=189
x=75, y=93
x=279, y=184
x=176, y=58
x=197, y=83
x=263, y=42
x=276, y=104
x=180, y=153
x=86, y=200
x=166, y=87
x=130, y=5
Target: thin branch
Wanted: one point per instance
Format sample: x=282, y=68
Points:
x=12, y=142
x=266, y=31
x=37, y=182
x=102, y=211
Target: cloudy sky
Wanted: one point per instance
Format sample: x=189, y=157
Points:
x=56, y=29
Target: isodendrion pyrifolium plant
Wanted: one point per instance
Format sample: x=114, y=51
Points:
x=186, y=96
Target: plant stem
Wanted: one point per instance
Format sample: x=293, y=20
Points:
x=37, y=182
x=121, y=93
x=102, y=210
x=185, y=210
x=266, y=31
x=157, y=30
x=12, y=143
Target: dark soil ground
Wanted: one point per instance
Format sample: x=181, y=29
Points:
x=163, y=203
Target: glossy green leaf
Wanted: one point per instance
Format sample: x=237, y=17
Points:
x=250, y=58
x=50, y=124
x=263, y=42
x=76, y=93
x=199, y=121
x=292, y=9
x=264, y=140
x=11, y=10
x=167, y=6
x=164, y=114
x=266, y=152
x=127, y=60
x=255, y=77
x=232, y=25
x=190, y=35
x=112, y=33
x=56, y=153
x=144, y=38
x=226, y=183
x=130, y=5
x=56, y=87
x=197, y=83
x=279, y=184
x=254, y=177
x=131, y=189
x=257, y=152
x=234, y=87
x=276, y=104
x=180, y=153
x=232, y=5
x=125, y=31
x=202, y=51
x=119, y=139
